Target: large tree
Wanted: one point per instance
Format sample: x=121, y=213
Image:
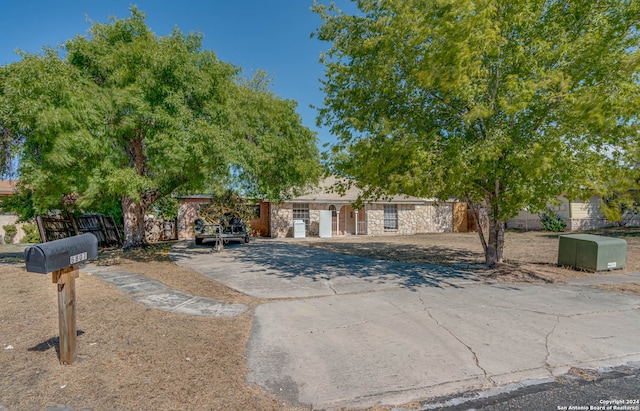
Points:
x=125, y=114
x=504, y=104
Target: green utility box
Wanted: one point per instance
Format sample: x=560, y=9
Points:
x=592, y=252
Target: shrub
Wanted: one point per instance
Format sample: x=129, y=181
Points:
x=552, y=222
x=31, y=234
x=10, y=231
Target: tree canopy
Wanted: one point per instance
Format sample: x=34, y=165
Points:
x=499, y=103
x=122, y=114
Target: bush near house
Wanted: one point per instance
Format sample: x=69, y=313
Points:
x=551, y=221
x=10, y=231
x=31, y=234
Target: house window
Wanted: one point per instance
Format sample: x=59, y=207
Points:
x=301, y=212
x=390, y=217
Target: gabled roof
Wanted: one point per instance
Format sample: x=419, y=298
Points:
x=324, y=194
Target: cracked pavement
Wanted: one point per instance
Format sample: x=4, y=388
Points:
x=341, y=331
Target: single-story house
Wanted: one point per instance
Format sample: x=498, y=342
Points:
x=399, y=215
x=578, y=214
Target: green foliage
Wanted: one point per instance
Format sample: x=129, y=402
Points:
x=10, y=231
x=507, y=104
x=166, y=208
x=228, y=204
x=31, y=234
x=551, y=221
x=125, y=116
x=280, y=158
x=20, y=203
x=620, y=208
x=620, y=196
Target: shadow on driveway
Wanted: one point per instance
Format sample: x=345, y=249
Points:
x=290, y=263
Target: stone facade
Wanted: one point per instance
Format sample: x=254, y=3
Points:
x=157, y=229
x=375, y=219
x=441, y=218
x=412, y=219
x=282, y=220
x=276, y=220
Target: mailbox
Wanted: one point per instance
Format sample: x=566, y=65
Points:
x=56, y=255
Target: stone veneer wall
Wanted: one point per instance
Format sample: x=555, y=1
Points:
x=423, y=218
x=314, y=218
x=441, y=218
x=412, y=219
x=375, y=219
x=282, y=219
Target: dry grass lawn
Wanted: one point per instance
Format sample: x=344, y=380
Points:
x=529, y=256
x=134, y=358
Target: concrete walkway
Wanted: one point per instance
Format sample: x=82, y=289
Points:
x=154, y=294
x=346, y=331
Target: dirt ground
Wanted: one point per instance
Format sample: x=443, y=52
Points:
x=134, y=358
x=529, y=256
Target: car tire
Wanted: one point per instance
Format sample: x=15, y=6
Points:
x=199, y=241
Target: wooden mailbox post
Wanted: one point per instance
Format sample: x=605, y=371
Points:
x=61, y=259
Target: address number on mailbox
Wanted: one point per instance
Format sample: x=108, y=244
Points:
x=77, y=258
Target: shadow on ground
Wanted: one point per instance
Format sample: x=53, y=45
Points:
x=291, y=262
x=457, y=259
x=618, y=232
x=404, y=253
x=53, y=342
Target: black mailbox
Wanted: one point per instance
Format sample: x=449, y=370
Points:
x=56, y=255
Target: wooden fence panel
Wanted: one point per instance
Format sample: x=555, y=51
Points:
x=102, y=226
x=54, y=228
x=90, y=223
x=111, y=233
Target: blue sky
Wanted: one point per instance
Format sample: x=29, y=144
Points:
x=253, y=34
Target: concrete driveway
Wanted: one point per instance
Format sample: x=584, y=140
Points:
x=346, y=331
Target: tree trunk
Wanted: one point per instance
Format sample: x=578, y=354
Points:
x=495, y=245
x=493, y=240
x=133, y=213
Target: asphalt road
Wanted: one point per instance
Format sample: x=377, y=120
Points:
x=617, y=389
